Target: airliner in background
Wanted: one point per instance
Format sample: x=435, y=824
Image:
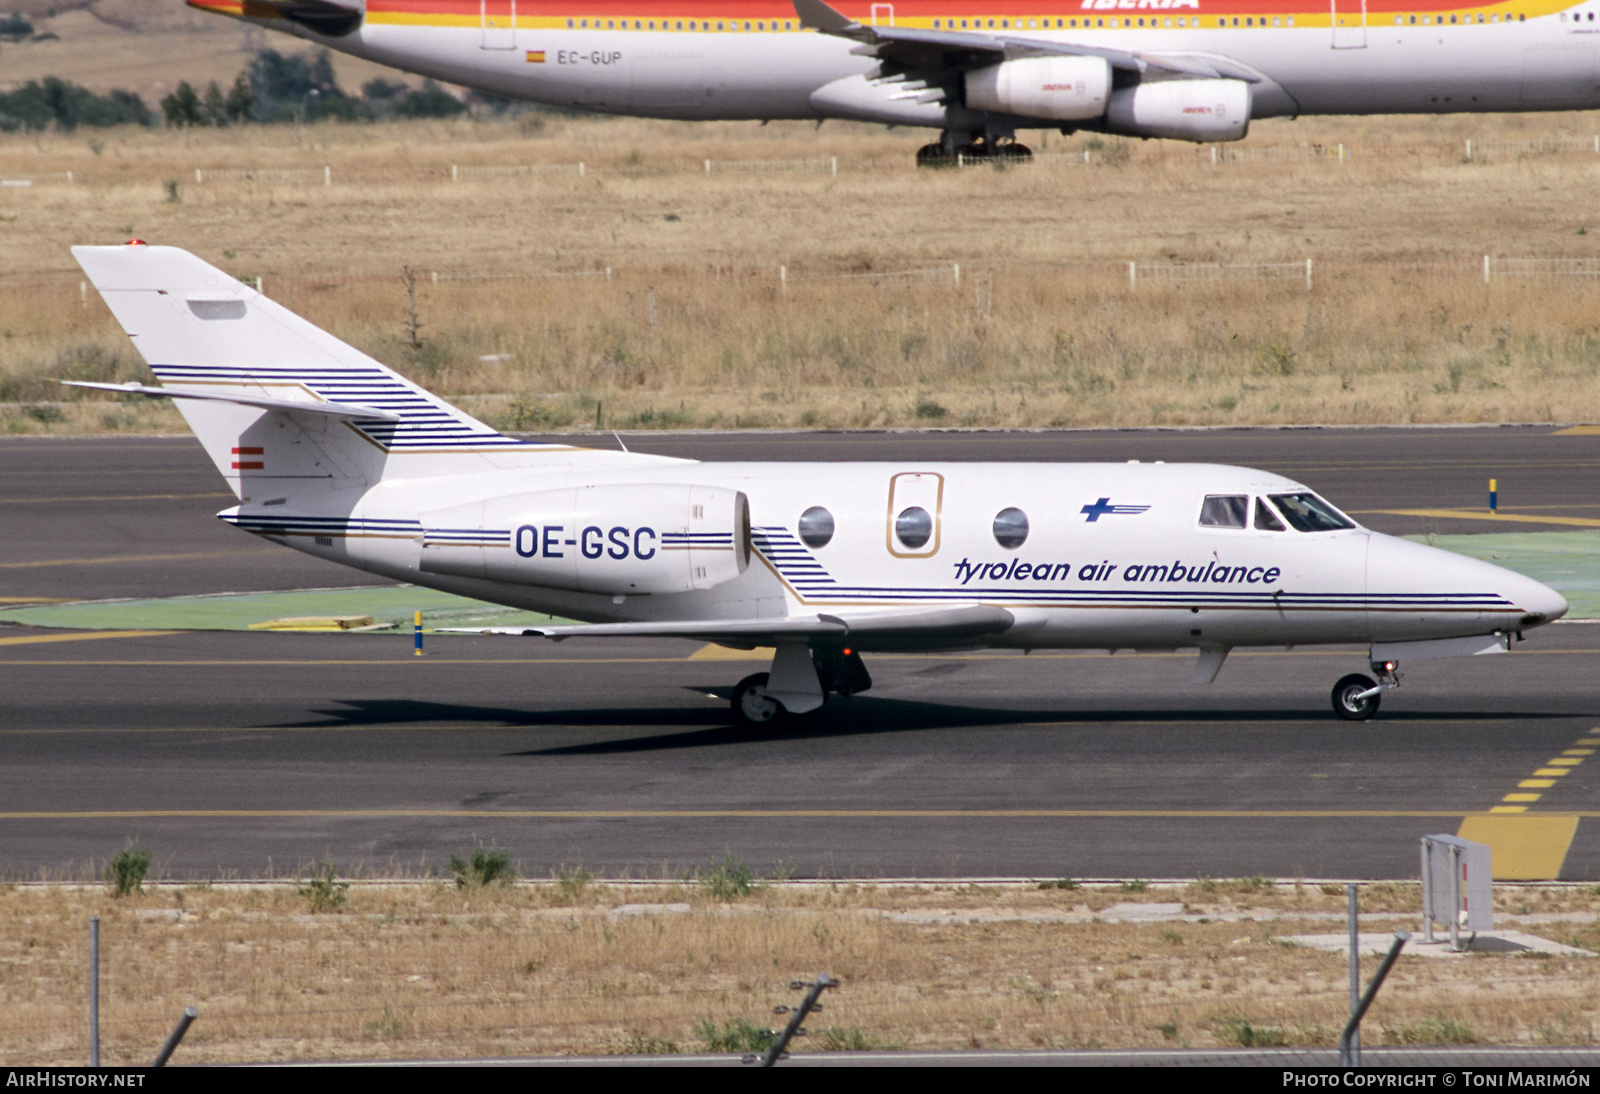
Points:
x=334, y=454
x=979, y=70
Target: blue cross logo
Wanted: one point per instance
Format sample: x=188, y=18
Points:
x=1104, y=506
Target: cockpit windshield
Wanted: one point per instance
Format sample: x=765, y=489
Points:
x=1308, y=513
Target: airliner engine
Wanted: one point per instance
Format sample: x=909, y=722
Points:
x=1063, y=88
x=1184, y=110
x=623, y=539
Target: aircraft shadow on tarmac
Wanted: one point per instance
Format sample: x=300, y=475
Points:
x=710, y=727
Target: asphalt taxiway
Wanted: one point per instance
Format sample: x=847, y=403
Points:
x=241, y=754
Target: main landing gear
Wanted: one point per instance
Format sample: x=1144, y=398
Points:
x=1355, y=697
x=979, y=148
x=799, y=682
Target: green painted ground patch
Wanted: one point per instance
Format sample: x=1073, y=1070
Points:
x=392, y=604
x=1568, y=562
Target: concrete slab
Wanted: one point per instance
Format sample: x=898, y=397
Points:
x=1500, y=942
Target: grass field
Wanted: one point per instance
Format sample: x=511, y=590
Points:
x=693, y=326
x=572, y=966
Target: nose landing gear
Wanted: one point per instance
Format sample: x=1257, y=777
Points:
x=1356, y=697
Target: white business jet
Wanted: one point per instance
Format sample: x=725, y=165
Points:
x=1195, y=70
x=333, y=454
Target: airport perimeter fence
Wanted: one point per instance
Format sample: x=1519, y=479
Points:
x=1245, y=1029
x=1305, y=275
x=1095, y=152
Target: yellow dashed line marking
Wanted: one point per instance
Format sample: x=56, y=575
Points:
x=1527, y=846
x=78, y=636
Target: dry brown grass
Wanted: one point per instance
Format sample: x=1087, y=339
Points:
x=424, y=969
x=1043, y=331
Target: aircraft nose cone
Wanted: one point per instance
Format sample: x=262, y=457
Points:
x=1539, y=602
x=1394, y=565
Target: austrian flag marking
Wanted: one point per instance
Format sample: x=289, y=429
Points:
x=248, y=465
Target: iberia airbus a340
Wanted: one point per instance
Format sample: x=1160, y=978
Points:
x=332, y=453
x=979, y=70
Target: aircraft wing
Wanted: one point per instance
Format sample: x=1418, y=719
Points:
x=910, y=628
x=914, y=48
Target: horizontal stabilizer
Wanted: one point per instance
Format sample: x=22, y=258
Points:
x=337, y=410
x=907, y=629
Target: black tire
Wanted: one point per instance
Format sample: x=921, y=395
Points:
x=932, y=155
x=1345, y=704
x=750, y=703
x=1013, y=151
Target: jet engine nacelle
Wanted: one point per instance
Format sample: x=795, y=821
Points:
x=1183, y=110
x=624, y=540
x=1064, y=88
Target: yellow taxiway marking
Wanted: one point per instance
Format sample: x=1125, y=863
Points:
x=760, y=814
x=76, y=636
x=136, y=558
x=1529, y=847
x=714, y=652
x=1483, y=514
x=406, y=662
x=34, y=600
x=118, y=497
x=1578, y=431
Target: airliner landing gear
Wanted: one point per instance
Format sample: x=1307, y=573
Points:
x=751, y=703
x=804, y=678
x=1356, y=697
x=949, y=153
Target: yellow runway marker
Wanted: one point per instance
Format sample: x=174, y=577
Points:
x=76, y=636
x=1536, y=784
x=1530, y=847
x=119, y=497
x=1502, y=518
x=714, y=652
x=1551, y=772
x=755, y=814
x=137, y=558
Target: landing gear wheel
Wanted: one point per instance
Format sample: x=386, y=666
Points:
x=751, y=705
x=932, y=155
x=1345, y=703
x=1011, y=150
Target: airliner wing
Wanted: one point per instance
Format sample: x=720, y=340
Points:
x=915, y=48
x=912, y=628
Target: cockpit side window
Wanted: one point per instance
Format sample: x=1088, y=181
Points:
x=1265, y=521
x=1224, y=510
x=1309, y=513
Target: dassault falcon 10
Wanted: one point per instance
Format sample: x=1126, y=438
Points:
x=334, y=454
x=979, y=70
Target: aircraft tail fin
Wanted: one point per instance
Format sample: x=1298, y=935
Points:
x=237, y=363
